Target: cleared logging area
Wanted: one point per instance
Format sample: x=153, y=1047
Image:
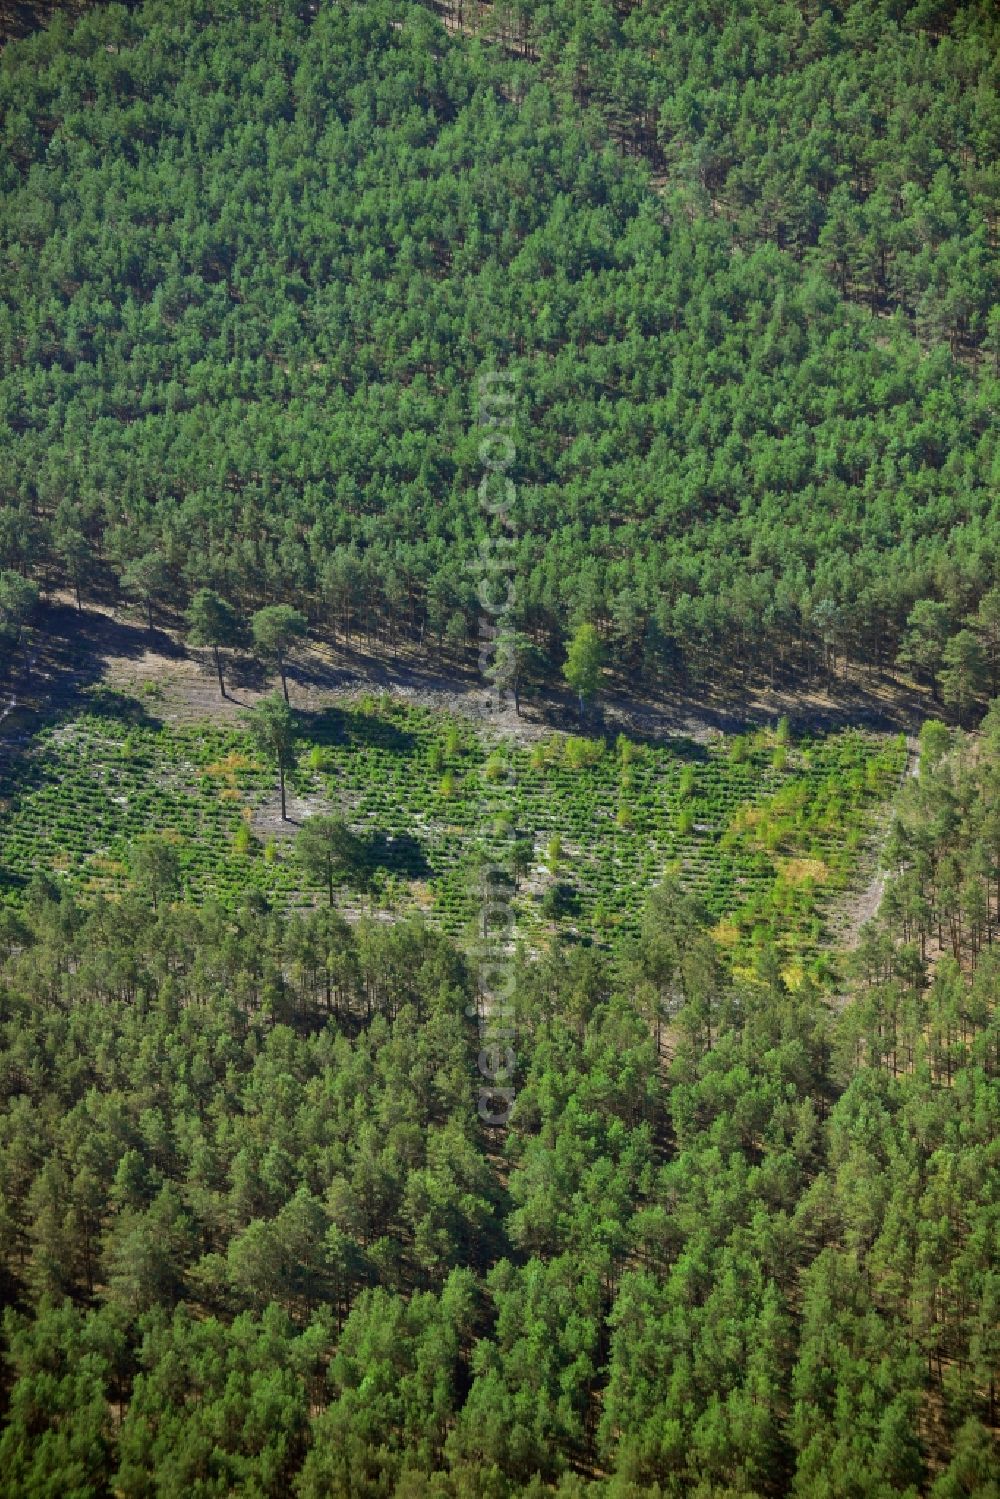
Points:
x=754, y=823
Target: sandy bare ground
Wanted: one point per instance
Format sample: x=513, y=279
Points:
x=73, y=651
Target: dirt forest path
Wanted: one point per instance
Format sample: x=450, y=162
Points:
x=857, y=909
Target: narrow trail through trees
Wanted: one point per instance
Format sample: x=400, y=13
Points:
x=863, y=906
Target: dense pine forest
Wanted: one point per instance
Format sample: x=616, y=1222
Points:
x=256, y=257
x=256, y=1241
x=400, y=1106
x=861, y=137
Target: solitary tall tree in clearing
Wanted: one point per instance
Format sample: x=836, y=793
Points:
x=584, y=659
x=213, y=622
x=275, y=632
x=272, y=728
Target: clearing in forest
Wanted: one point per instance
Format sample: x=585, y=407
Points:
x=765, y=830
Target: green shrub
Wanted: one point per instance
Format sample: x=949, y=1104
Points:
x=495, y=768
x=580, y=753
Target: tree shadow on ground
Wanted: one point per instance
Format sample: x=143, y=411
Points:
x=11, y=883
x=560, y=901
x=354, y=664
x=349, y=726
x=399, y=853
x=68, y=654
x=681, y=748
x=119, y=707
x=247, y=674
